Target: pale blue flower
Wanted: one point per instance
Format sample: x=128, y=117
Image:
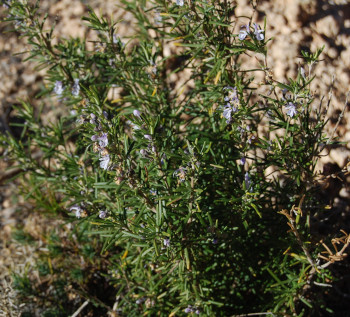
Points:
x=93, y=119
x=140, y=300
x=137, y=113
x=232, y=96
x=250, y=139
x=76, y=88
x=104, y=161
x=116, y=39
x=6, y=4
x=58, y=89
x=153, y=68
x=180, y=2
x=189, y=309
x=232, y=103
x=102, y=139
x=143, y=152
x=291, y=110
x=163, y=159
x=148, y=137
x=227, y=113
x=243, y=33
x=105, y=114
x=133, y=125
x=259, y=34
x=77, y=210
x=166, y=242
x=102, y=214
x=247, y=180
x=157, y=18
x=94, y=138
x=240, y=130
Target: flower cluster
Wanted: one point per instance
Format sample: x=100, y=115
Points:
x=102, y=214
x=248, y=182
x=151, y=148
x=232, y=104
x=245, y=31
x=59, y=88
x=101, y=142
x=181, y=174
x=190, y=309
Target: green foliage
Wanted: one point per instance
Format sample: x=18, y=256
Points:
x=169, y=181
x=23, y=284
x=311, y=58
x=22, y=237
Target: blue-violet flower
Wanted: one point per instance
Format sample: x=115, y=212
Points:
x=180, y=174
x=189, y=309
x=247, y=181
x=102, y=214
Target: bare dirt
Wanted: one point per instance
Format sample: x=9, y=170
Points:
x=293, y=25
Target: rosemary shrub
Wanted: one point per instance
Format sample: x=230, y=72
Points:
x=190, y=190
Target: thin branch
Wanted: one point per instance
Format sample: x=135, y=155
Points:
x=340, y=117
x=323, y=284
x=80, y=308
x=255, y=314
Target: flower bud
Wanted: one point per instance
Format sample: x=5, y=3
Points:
x=137, y=114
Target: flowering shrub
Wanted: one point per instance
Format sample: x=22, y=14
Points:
x=184, y=196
